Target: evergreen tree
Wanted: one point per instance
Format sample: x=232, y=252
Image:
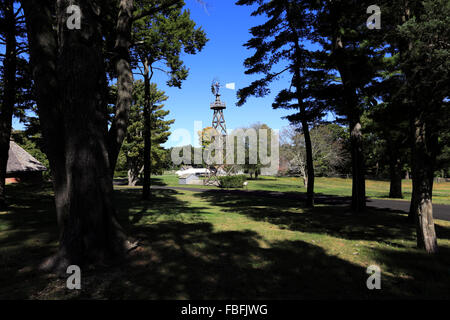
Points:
x=70, y=69
x=14, y=80
x=133, y=147
x=159, y=40
x=255, y=169
x=350, y=52
x=281, y=40
x=424, y=47
x=389, y=125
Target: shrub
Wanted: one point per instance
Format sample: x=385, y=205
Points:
x=232, y=181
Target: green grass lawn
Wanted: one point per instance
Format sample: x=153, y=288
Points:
x=328, y=186
x=207, y=245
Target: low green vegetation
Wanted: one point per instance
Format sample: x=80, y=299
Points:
x=327, y=186
x=236, y=181
x=213, y=245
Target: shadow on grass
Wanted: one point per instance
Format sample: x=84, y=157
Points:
x=176, y=259
x=387, y=227
x=419, y=274
x=158, y=182
x=121, y=181
x=332, y=219
x=28, y=234
x=183, y=257
x=132, y=209
x=281, y=188
x=261, y=179
x=192, y=261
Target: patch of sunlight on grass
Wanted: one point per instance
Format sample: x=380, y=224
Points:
x=327, y=186
x=211, y=245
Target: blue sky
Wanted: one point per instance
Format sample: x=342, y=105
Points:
x=227, y=27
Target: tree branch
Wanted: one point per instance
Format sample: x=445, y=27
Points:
x=148, y=12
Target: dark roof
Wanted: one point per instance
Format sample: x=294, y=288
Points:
x=21, y=161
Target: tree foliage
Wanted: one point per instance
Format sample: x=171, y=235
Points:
x=133, y=146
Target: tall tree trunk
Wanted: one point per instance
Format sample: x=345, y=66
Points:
x=423, y=173
x=304, y=176
x=412, y=205
x=358, y=174
x=72, y=65
x=9, y=95
x=353, y=113
x=146, y=192
x=133, y=177
x=395, y=190
x=118, y=129
x=309, y=165
x=303, y=115
x=395, y=172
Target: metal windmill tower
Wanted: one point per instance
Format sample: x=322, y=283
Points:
x=219, y=124
x=218, y=121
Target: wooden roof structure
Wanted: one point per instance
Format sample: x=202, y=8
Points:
x=21, y=161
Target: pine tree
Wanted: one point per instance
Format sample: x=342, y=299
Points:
x=389, y=123
x=350, y=52
x=424, y=46
x=13, y=80
x=159, y=40
x=70, y=69
x=280, y=40
x=134, y=146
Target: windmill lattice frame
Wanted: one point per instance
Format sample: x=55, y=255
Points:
x=218, y=124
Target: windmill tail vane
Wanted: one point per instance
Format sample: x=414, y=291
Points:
x=231, y=86
x=215, y=87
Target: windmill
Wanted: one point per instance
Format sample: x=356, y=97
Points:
x=219, y=125
x=218, y=120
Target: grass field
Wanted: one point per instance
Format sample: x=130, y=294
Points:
x=328, y=186
x=205, y=245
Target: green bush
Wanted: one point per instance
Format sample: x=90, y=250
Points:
x=232, y=181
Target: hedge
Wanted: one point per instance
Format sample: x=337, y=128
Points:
x=232, y=181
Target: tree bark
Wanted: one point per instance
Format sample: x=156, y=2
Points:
x=302, y=109
x=358, y=174
x=9, y=95
x=395, y=170
x=412, y=205
x=353, y=113
x=69, y=74
x=118, y=129
x=305, y=177
x=423, y=173
x=146, y=192
x=133, y=177
x=309, y=165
